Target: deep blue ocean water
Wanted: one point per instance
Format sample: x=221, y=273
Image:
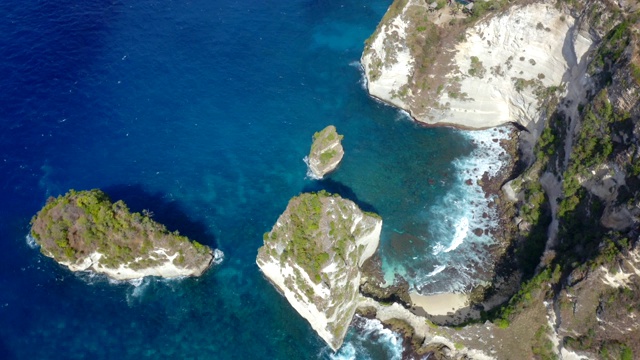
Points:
x=202, y=111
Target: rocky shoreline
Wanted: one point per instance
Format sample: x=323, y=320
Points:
x=420, y=342
x=548, y=69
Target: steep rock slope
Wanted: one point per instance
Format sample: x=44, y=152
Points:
x=576, y=201
x=578, y=204
x=495, y=71
x=313, y=255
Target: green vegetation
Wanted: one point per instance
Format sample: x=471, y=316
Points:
x=592, y=147
x=477, y=69
x=305, y=213
x=536, y=212
x=482, y=8
x=520, y=84
x=612, y=48
x=635, y=73
x=538, y=286
x=315, y=229
x=324, y=147
x=79, y=223
x=325, y=137
x=542, y=346
x=326, y=156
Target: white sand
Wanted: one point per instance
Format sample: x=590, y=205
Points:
x=440, y=304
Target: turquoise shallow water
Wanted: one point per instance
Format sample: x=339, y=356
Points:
x=202, y=112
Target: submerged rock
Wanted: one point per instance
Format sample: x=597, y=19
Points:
x=313, y=254
x=84, y=230
x=326, y=152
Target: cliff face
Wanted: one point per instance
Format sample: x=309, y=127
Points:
x=313, y=256
x=326, y=152
x=569, y=71
x=85, y=231
x=446, y=69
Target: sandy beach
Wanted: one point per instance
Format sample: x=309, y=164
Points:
x=440, y=304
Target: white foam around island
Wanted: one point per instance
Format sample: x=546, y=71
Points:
x=166, y=270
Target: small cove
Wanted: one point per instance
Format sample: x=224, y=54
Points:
x=202, y=112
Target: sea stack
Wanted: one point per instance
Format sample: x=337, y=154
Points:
x=84, y=230
x=326, y=152
x=313, y=255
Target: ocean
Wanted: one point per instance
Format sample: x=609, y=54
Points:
x=202, y=112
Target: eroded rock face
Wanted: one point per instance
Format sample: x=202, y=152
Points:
x=85, y=231
x=496, y=71
x=313, y=255
x=326, y=152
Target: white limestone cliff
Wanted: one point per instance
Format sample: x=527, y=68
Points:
x=313, y=256
x=166, y=269
x=496, y=72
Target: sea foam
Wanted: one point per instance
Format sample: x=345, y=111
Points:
x=31, y=241
x=368, y=339
x=460, y=221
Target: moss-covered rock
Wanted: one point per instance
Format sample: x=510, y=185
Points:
x=84, y=230
x=326, y=152
x=313, y=254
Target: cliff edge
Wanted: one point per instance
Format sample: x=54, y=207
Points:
x=474, y=71
x=313, y=255
x=84, y=230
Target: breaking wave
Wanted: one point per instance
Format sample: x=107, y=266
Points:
x=31, y=241
x=368, y=339
x=459, y=223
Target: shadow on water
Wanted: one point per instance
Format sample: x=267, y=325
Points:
x=336, y=187
x=167, y=212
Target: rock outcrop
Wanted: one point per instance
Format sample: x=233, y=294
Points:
x=313, y=255
x=496, y=71
x=84, y=230
x=326, y=152
x=569, y=73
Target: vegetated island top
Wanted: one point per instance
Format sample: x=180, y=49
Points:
x=84, y=230
x=326, y=152
x=313, y=255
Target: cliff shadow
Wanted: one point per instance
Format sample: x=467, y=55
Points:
x=336, y=187
x=167, y=212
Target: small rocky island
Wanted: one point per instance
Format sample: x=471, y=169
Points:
x=84, y=230
x=326, y=152
x=314, y=253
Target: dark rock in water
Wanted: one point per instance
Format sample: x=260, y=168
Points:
x=478, y=232
x=373, y=285
x=368, y=312
x=398, y=292
x=469, y=182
